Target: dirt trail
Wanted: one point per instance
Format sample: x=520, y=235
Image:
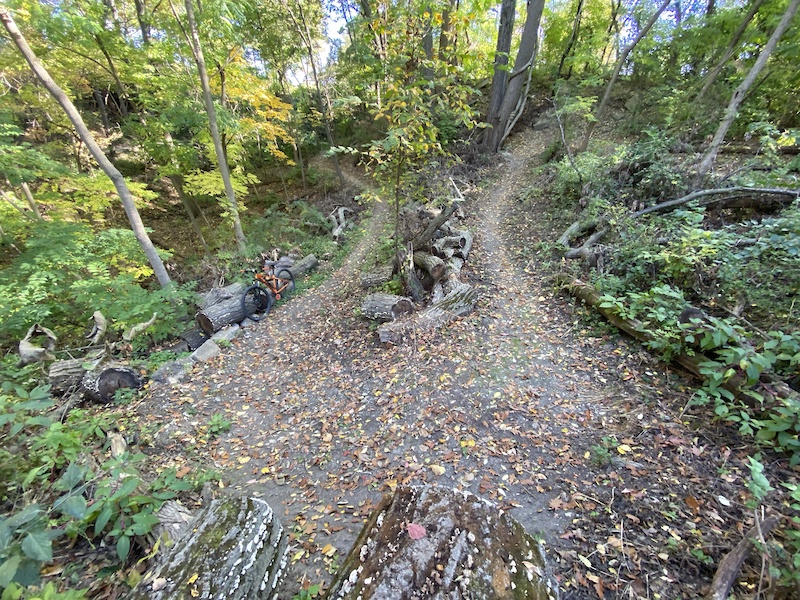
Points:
x=505, y=403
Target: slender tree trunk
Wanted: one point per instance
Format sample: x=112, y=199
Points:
x=444, y=33
x=7, y=240
x=110, y=170
x=732, y=45
x=197, y=50
x=738, y=96
x=505, y=32
x=122, y=91
x=613, y=28
x=12, y=202
x=576, y=26
x=144, y=24
x=101, y=107
x=615, y=75
x=519, y=80
x=31, y=201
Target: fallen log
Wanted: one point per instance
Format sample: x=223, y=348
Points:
x=65, y=376
x=433, y=265
x=458, y=302
x=756, y=196
x=781, y=392
x=100, y=384
x=412, y=284
x=385, y=307
x=443, y=544
x=234, y=549
x=217, y=295
x=426, y=236
x=303, y=266
x=376, y=278
x=729, y=567
x=213, y=318
x=575, y=230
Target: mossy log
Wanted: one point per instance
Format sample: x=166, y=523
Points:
x=234, y=549
x=458, y=302
x=376, y=278
x=385, y=307
x=432, y=542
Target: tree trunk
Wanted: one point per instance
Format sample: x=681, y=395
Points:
x=376, y=278
x=738, y=96
x=443, y=544
x=385, y=307
x=576, y=26
x=233, y=549
x=110, y=170
x=505, y=32
x=518, y=81
x=177, y=184
x=732, y=45
x=64, y=376
x=101, y=383
x=615, y=75
x=222, y=162
x=458, y=303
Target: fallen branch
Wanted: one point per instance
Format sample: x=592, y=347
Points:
x=139, y=328
x=734, y=193
x=98, y=329
x=729, y=567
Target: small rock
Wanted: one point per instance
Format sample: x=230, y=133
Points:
x=206, y=352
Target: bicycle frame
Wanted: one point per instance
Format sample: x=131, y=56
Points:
x=272, y=282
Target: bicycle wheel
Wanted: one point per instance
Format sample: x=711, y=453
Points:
x=285, y=284
x=256, y=303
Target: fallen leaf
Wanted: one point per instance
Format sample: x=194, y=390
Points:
x=416, y=532
x=192, y=579
x=624, y=449
x=438, y=469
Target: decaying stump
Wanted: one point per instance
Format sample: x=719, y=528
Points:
x=458, y=302
x=431, y=542
x=100, y=384
x=234, y=549
x=385, y=307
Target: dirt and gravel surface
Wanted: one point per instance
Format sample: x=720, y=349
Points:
x=578, y=435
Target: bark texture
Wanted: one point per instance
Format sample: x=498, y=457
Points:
x=385, y=307
x=437, y=543
x=234, y=549
x=213, y=318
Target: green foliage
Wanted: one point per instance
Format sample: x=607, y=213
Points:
x=218, y=424
x=67, y=271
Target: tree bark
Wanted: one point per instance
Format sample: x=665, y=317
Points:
x=64, y=376
x=216, y=316
x=109, y=169
x=443, y=544
x=376, y=278
x=458, y=303
x=222, y=162
x=385, y=307
x=518, y=81
x=233, y=549
x=615, y=75
x=576, y=26
x=781, y=196
x=303, y=266
x=505, y=32
x=433, y=265
x=738, y=96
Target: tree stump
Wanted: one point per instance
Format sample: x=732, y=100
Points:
x=234, y=549
x=431, y=542
x=101, y=383
x=458, y=302
x=385, y=307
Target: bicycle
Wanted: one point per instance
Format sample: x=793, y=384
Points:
x=268, y=288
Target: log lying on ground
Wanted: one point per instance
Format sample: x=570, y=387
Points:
x=101, y=383
x=433, y=265
x=729, y=567
x=458, y=244
x=217, y=295
x=376, y=278
x=443, y=543
x=65, y=376
x=458, y=302
x=735, y=197
x=634, y=328
x=213, y=318
x=385, y=307
x=303, y=266
x=234, y=549
x=426, y=236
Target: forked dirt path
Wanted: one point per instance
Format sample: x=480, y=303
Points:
x=509, y=403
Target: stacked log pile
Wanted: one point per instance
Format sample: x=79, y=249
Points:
x=430, y=269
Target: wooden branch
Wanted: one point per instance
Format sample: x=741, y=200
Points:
x=98, y=329
x=729, y=567
x=737, y=192
x=423, y=238
x=433, y=265
x=139, y=328
x=584, y=250
x=576, y=229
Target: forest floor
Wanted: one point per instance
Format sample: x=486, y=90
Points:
x=578, y=434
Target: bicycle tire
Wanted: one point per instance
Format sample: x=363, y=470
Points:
x=285, y=276
x=256, y=303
